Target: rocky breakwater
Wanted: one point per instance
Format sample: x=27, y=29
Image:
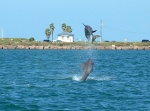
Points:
x=113, y=47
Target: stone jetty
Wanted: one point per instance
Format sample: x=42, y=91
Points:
x=75, y=47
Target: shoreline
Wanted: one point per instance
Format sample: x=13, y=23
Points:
x=25, y=47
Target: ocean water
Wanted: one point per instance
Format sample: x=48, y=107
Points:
x=49, y=80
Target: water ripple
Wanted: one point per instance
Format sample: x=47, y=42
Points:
x=35, y=80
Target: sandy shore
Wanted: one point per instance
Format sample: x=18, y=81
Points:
x=77, y=47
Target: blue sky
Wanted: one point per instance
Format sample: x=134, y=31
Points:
x=121, y=19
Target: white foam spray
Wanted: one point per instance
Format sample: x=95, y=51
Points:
x=102, y=78
x=76, y=78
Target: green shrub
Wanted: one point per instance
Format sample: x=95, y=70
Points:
x=31, y=39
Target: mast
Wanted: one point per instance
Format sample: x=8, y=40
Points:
x=101, y=40
x=2, y=33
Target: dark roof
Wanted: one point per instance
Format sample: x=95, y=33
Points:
x=65, y=33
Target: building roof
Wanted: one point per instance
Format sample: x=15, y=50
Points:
x=65, y=33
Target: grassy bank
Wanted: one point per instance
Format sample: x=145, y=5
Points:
x=26, y=42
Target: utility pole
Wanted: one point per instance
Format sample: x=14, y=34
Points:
x=2, y=32
x=101, y=40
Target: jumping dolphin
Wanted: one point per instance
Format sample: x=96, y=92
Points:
x=88, y=31
x=87, y=69
x=95, y=37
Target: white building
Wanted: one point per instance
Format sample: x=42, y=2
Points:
x=66, y=37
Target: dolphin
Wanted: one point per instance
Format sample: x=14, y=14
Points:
x=88, y=31
x=87, y=69
x=95, y=37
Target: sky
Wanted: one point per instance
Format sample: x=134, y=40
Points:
x=121, y=19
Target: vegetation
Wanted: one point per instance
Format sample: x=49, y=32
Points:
x=31, y=39
x=66, y=28
x=48, y=33
x=52, y=29
x=63, y=26
x=29, y=42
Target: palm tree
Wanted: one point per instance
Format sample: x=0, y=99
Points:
x=48, y=33
x=63, y=26
x=68, y=29
x=52, y=29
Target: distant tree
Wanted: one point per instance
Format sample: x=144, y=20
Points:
x=68, y=29
x=63, y=26
x=48, y=33
x=52, y=29
x=31, y=39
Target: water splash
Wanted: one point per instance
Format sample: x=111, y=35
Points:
x=76, y=78
x=103, y=78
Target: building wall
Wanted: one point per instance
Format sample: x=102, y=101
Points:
x=65, y=38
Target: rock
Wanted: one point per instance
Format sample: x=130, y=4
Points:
x=31, y=47
x=11, y=47
x=39, y=47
